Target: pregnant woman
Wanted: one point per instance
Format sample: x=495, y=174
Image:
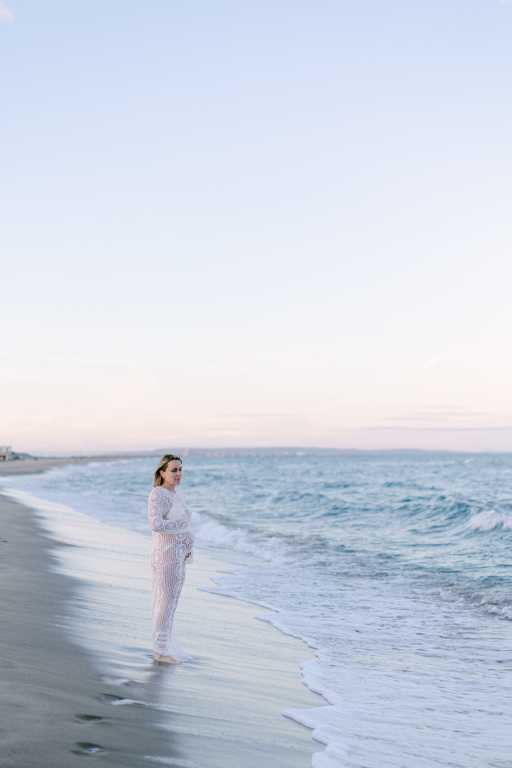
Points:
x=171, y=549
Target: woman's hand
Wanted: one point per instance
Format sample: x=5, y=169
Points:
x=188, y=541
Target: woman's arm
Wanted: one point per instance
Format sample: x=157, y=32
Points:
x=157, y=505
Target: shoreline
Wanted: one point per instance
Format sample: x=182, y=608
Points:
x=36, y=466
x=232, y=705
x=54, y=707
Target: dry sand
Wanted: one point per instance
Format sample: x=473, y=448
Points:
x=34, y=466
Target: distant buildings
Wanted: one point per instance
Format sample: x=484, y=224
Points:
x=5, y=452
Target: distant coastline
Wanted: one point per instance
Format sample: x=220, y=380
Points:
x=27, y=463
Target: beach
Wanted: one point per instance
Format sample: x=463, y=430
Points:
x=38, y=465
x=340, y=610
x=61, y=701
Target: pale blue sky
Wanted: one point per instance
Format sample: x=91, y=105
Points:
x=224, y=224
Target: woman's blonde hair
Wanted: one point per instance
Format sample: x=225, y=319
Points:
x=164, y=461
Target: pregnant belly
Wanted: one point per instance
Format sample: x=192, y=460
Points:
x=169, y=549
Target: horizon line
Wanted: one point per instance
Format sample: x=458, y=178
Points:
x=190, y=449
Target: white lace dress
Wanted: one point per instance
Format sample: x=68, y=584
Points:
x=171, y=549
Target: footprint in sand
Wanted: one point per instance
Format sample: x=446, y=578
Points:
x=118, y=700
x=110, y=697
x=86, y=748
x=85, y=718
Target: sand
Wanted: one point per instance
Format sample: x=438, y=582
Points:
x=57, y=708
x=34, y=466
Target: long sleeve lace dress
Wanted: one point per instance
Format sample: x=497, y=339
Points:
x=171, y=548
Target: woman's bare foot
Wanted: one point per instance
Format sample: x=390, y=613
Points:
x=165, y=659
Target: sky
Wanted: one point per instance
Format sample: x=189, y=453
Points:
x=255, y=224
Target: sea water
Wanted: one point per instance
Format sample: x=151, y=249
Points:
x=395, y=567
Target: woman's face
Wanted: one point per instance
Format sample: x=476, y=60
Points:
x=172, y=473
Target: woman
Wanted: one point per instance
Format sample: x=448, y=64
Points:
x=171, y=549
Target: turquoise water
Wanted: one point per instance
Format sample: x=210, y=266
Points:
x=394, y=567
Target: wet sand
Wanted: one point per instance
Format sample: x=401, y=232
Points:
x=56, y=706
x=50, y=694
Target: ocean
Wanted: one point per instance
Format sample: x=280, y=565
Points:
x=394, y=567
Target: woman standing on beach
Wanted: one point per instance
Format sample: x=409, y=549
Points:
x=171, y=548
